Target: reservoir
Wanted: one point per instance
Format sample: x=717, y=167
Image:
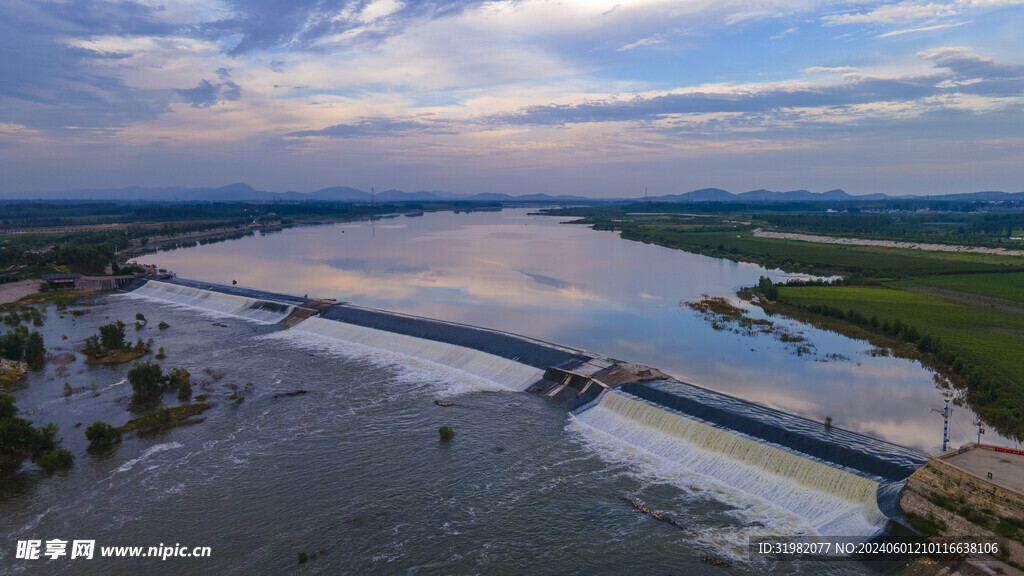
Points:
x=568, y=284
x=351, y=470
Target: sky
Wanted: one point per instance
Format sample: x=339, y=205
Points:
x=601, y=98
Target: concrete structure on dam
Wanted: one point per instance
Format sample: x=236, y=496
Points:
x=842, y=483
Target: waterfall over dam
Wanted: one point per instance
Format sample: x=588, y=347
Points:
x=250, y=306
x=839, y=482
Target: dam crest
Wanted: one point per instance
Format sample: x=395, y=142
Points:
x=839, y=482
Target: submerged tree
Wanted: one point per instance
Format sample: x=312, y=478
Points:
x=112, y=335
x=101, y=435
x=19, y=441
x=147, y=380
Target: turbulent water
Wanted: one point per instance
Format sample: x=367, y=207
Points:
x=263, y=311
x=505, y=373
x=832, y=501
x=354, y=466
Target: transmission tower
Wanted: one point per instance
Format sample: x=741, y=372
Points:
x=946, y=413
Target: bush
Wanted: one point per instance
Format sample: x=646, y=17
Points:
x=55, y=460
x=446, y=433
x=147, y=380
x=35, y=350
x=102, y=435
x=12, y=344
x=160, y=354
x=19, y=440
x=163, y=325
x=112, y=336
x=44, y=286
x=92, y=345
x=180, y=380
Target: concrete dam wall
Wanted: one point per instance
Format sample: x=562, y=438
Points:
x=840, y=482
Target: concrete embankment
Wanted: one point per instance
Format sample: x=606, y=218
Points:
x=972, y=494
x=849, y=481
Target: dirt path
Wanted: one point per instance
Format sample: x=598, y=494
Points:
x=885, y=243
x=968, y=298
x=16, y=290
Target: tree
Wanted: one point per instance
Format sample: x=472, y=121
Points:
x=102, y=435
x=147, y=380
x=7, y=408
x=35, y=350
x=12, y=344
x=19, y=441
x=112, y=335
x=92, y=345
x=179, y=379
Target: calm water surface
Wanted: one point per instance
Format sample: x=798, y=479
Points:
x=569, y=284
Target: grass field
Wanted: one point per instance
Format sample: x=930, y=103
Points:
x=988, y=343
x=981, y=343
x=1009, y=286
x=987, y=336
x=822, y=258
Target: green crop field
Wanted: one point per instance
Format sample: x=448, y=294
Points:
x=977, y=344
x=804, y=256
x=983, y=337
x=1008, y=286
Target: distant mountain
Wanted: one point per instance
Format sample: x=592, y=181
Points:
x=702, y=195
x=335, y=194
x=242, y=192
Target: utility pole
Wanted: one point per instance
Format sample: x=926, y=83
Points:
x=981, y=428
x=945, y=412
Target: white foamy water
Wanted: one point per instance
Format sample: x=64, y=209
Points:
x=830, y=501
x=415, y=353
x=216, y=303
x=145, y=455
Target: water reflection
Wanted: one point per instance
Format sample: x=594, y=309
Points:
x=568, y=284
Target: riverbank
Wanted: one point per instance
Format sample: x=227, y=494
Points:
x=959, y=312
x=14, y=291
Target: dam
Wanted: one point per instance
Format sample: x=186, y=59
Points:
x=838, y=482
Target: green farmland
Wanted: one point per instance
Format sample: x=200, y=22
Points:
x=962, y=314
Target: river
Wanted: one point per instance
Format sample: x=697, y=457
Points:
x=353, y=467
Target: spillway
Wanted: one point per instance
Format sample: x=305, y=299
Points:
x=832, y=500
x=265, y=311
x=507, y=373
x=838, y=482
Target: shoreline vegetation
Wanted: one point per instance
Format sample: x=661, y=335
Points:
x=958, y=312
x=100, y=237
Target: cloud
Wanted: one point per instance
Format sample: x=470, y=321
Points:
x=380, y=126
x=762, y=99
x=920, y=29
x=309, y=24
x=784, y=33
x=649, y=41
x=973, y=74
x=49, y=84
x=829, y=69
x=207, y=94
x=891, y=13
